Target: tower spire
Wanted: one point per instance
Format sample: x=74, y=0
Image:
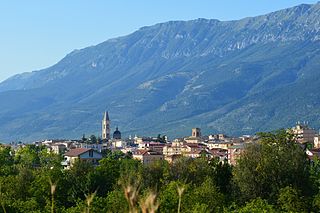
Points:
x=106, y=126
x=106, y=116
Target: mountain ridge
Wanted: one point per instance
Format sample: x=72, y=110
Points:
x=180, y=71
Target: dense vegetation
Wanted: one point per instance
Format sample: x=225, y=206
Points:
x=273, y=175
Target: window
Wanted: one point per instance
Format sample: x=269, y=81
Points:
x=90, y=153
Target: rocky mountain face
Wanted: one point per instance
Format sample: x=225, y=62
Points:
x=236, y=77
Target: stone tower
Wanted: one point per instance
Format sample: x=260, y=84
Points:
x=106, y=126
x=196, y=132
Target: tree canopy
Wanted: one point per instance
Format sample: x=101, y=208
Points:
x=271, y=175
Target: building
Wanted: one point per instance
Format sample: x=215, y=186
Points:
x=172, y=158
x=182, y=148
x=198, y=154
x=147, y=156
x=153, y=146
x=82, y=154
x=217, y=137
x=117, y=134
x=96, y=147
x=234, y=153
x=195, y=136
x=303, y=133
x=196, y=132
x=118, y=143
x=106, y=127
x=220, y=154
x=58, y=148
x=316, y=141
x=219, y=144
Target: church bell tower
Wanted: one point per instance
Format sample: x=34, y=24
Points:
x=106, y=126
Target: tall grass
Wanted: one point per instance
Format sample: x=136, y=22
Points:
x=147, y=204
x=89, y=199
x=53, y=187
x=180, y=192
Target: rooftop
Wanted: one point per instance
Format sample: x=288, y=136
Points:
x=76, y=152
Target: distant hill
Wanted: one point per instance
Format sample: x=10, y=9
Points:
x=235, y=77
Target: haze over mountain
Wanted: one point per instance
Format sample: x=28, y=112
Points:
x=235, y=77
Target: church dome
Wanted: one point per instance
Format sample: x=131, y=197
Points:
x=117, y=134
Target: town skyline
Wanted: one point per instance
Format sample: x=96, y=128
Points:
x=160, y=106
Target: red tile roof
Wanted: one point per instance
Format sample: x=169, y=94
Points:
x=76, y=152
x=146, y=152
x=195, y=145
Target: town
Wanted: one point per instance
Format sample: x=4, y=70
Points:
x=150, y=149
x=160, y=106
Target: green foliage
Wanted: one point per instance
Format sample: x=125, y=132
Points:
x=290, y=201
x=161, y=139
x=6, y=161
x=116, y=201
x=276, y=162
x=93, y=139
x=28, y=156
x=207, y=194
x=108, y=172
x=79, y=180
x=200, y=208
x=258, y=183
x=156, y=175
x=315, y=175
x=257, y=205
x=191, y=170
x=222, y=175
x=169, y=197
x=316, y=201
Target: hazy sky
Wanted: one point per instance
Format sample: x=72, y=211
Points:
x=36, y=34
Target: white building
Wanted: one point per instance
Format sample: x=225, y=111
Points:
x=147, y=156
x=316, y=141
x=82, y=154
x=303, y=133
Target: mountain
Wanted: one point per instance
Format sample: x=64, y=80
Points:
x=236, y=77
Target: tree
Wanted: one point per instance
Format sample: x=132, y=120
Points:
x=84, y=139
x=315, y=174
x=190, y=170
x=161, y=139
x=276, y=161
x=257, y=205
x=105, y=175
x=155, y=175
x=116, y=202
x=93, y=139
x=169, y=198
x=221, y=173
x=116, y=154
x=28, y=156
x=78, y=181
x=6, y=161
x=208, y=194
x=290, y=201
x=49, y=160
x=316, y=202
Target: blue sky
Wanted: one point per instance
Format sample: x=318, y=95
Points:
x=35, y=34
